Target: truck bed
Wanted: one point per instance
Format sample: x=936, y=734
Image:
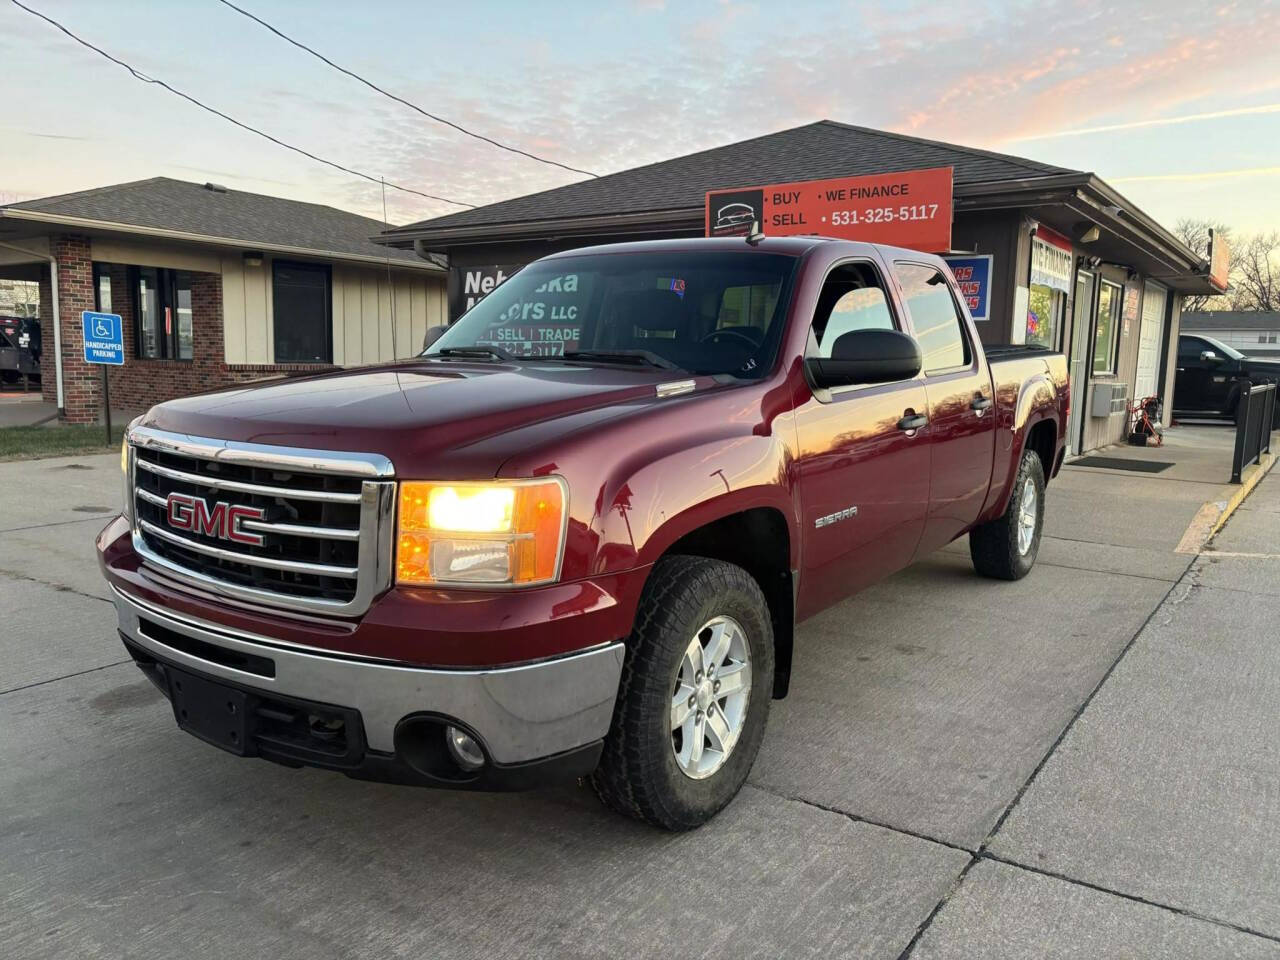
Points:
x=998, y=352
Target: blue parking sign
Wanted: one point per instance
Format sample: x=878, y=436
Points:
x=103, y=338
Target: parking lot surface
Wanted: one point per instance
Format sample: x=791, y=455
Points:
x=1083, y=763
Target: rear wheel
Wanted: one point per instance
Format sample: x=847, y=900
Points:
x=694, y=696
x=1006, y=547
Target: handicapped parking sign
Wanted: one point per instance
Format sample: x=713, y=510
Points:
x=103, y=338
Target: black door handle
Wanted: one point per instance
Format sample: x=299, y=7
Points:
x=980, y=402
x=912, y=421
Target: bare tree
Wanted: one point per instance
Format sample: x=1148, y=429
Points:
x=1255, y=273
x=1195, y=234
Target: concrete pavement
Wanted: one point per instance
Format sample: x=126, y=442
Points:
x=1078, y=764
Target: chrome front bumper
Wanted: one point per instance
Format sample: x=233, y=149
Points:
x=520, y=713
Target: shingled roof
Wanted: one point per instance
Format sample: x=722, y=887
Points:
x=811, y=152
x=214, y=213
x=1230, y=320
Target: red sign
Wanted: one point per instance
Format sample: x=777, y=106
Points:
x=909, y=209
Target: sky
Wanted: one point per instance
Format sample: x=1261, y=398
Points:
x=1176, y=104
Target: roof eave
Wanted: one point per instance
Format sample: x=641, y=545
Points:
x=1084, y=192
x=438, y=239
x=85, y=223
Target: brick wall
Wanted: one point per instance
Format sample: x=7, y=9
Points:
x=81, y=382
x=140, y=382
x=143, y=382
x=48, y=375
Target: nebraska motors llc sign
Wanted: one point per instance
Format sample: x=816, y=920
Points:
x=467, y=286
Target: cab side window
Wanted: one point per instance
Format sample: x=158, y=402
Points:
x=1190, y=348
x=938, y=326
x=852, y=298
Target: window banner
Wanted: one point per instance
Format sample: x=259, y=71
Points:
x=1050, y=265
x=973, y=275
x=467, y=286
x=907, y=209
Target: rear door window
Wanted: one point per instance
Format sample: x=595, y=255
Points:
x=938, y=325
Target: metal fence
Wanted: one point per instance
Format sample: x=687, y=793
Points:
x=1255, y=418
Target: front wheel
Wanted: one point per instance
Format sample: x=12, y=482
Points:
x=1006, y=547
x=694, y=696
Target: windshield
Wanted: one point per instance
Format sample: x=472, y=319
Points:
x=701, y=312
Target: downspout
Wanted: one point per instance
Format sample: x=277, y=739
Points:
x=57, y=317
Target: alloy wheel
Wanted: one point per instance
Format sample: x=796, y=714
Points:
x=709, y=703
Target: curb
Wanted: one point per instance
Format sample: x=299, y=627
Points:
x=1210, y=518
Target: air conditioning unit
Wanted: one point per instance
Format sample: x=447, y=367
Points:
x=1108, y=399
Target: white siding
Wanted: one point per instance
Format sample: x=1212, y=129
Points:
x=154, y=254
x=234, y=341
x=361, y=305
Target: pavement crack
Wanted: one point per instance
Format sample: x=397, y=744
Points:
x=870, y=821
x=60, y=587
x=65, y=676
x=982, y=853
x=60, y=523
x=1135, y=898
x=937, y=908
x=1110, y=573
x=1084, y=705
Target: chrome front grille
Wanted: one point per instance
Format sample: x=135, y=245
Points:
x=311, y=529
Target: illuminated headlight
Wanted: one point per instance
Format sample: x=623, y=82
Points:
x=492, y=532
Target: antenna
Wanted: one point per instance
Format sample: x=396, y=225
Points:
x=756, y=234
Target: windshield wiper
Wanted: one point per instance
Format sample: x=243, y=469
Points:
x=635, y=358
x=477, y=352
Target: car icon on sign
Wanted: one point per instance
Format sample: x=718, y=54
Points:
x=735, y=215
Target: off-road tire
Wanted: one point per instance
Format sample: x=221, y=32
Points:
x=638, y=774
x=994, y=546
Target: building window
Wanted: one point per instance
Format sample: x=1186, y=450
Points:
x=1045, y=307
x=163, y=319
x=101, y=288
x=1110, y=302
x=1266, y=338
x=301, y=310
x=1050, y=284
x=934, y=317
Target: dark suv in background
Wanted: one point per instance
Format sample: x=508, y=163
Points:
x=1210, y=375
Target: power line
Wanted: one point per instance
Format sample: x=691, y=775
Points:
x=412, y=106
x=139, y=75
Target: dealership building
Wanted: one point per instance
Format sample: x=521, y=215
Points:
x=1045, y=255
x=213, y=287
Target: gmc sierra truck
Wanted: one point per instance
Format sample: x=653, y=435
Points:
x=574, y=536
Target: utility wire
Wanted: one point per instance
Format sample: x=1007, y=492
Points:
x=139, y=75
x=412, y=106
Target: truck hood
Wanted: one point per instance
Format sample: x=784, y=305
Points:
x=428, y=417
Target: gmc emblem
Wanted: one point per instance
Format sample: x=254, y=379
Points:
x=222, y=520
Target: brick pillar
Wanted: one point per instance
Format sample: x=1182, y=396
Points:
x=81, y=382
x=48, y=371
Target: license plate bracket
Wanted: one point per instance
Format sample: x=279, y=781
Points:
x=215, y=713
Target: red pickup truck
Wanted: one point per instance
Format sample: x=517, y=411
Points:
x=574, y=536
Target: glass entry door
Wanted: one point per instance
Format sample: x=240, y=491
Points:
x=1081, y=352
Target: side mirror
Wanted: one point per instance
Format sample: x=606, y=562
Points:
x=866, y=356
x=1208, y=356
x=432, y=335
